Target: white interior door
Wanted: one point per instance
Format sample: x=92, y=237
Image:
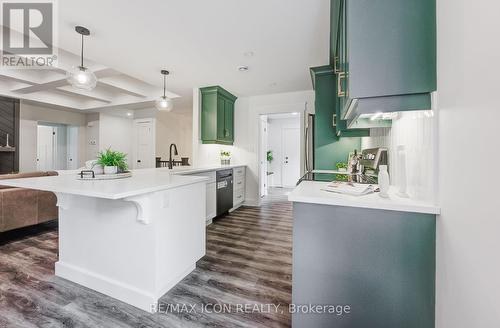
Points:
x=290, y=173
x=45, y=148
x=144, y=144
x=72, y=155
x=263, y=155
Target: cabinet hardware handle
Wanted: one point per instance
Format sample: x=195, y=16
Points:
x=341, y=76
x=335, y=62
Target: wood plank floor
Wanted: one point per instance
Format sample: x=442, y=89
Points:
x=248, y=263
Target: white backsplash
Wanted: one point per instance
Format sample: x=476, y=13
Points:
x=417, y=132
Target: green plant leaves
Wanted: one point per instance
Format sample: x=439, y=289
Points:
x=113, y=158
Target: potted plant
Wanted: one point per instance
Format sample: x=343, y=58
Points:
x=342, y=167
x=270, y=156
x=112, y=161
x=225, y=157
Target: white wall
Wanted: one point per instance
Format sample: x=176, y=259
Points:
x=174, y=128
x=246, y=137
x=171, y=127
x=468, y=266
x=275, y=143
x=92, y=139
x=116, y=133
x=30, y=115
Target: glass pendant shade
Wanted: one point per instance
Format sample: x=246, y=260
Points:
x=164, y=103
x=82, y=78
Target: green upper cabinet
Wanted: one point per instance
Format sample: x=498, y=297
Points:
x=329, y=149
x=384, y=55
x=217, y=116
x=327, y=107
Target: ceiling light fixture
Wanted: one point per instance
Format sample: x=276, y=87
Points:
x=164, y=102
x=242, y=68
x=81, y=77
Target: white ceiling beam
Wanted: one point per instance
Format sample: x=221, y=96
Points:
x=17, y=76
x=122, y=88
x=60, y=82
x=69, y=90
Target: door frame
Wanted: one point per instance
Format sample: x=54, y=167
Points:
x=263, y=141
x=300, y=108
x=151, y=121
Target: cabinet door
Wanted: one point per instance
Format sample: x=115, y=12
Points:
x=229, y=120
x=211, y=201
x=221, y=104
x=342, y=72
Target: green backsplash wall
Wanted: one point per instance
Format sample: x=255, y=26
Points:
x=328, y=148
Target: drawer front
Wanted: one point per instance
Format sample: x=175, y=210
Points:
x=239, y=172
x=238, y=196
x=239, y=182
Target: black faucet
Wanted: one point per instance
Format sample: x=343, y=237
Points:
x=170, y=160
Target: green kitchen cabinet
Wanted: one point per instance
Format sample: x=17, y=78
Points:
x=327, y=106
x=384, y=55
x=329, y=149
x=217, y=116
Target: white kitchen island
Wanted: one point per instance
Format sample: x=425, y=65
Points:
x=132, y=239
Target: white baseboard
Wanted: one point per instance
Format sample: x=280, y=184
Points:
x=141, y=299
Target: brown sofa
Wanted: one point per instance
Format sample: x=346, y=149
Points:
x=21, y=207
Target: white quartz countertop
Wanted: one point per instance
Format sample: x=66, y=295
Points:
x=311, y=192
x=141, y=182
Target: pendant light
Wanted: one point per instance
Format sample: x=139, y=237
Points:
x=81, y=77
x=164, y=102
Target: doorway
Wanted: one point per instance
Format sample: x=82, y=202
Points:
x=280, y=152
x=57, y=147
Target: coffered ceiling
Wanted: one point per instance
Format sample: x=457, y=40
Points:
x=201, y=42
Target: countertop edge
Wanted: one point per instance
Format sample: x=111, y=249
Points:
x=118, y=196
x=310, y=192
x=398, y=208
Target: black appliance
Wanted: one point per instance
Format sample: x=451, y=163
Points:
x=224, y=184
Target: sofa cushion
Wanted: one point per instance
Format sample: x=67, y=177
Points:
x=25, y=175
x=19, y=208
x=47, y=206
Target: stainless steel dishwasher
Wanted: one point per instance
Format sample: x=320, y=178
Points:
x=224, y=191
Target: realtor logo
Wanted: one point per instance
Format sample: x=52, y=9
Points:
x=28, y=33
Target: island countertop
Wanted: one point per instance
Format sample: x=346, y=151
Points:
x=311, y=192
x=141, y=182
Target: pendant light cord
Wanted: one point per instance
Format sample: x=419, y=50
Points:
x=82, y=51
x=164, y=85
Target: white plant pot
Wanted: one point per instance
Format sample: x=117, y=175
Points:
x=110, y=169
x=98, y=169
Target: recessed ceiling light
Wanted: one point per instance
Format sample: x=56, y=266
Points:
x=129, y=114
x=248, y=54
x=242, y=68
x=295, y=113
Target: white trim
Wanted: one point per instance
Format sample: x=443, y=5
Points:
x=301, y=108
x=116, y=289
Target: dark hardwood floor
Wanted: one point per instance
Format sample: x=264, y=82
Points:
x=245, y=274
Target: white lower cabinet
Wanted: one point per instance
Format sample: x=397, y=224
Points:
x=211, y=195
x=238, y=187
x=211, y=201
